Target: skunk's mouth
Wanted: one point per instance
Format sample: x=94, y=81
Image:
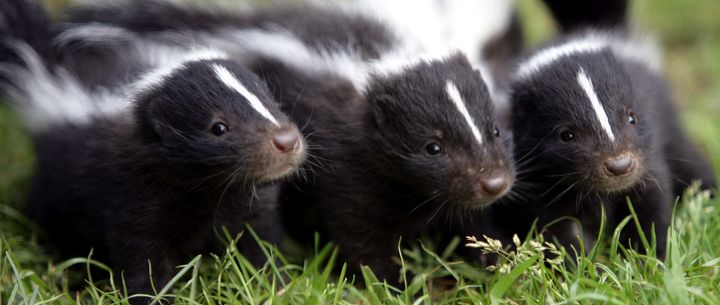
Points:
x=617, y=184
x=481, y=197
x=278, y=173
x=614, y=184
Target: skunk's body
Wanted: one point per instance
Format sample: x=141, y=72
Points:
x=403, y=136
x=594, y=123
x=152, y=169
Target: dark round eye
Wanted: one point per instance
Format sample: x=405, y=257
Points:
x=496, y=132
x=433, y=149
x=219, y=129
x=567, y=136
x=632, y=119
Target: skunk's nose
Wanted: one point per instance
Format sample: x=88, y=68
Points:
x=495, y=185
x=286, y=140
x=620, y=166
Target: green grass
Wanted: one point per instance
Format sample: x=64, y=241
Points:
x=31, y=273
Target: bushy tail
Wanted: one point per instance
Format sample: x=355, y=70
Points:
x=31, y=78
x=574, y=15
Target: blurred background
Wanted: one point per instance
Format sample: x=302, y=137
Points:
x=689, y=30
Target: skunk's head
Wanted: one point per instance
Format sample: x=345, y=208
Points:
x=433, y=128
x=576, y=118
x=216, y=118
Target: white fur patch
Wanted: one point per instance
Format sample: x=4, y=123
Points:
x=231, y=81
x=398, y=61
x=45, y=99
x=551, y=55
x=168, y=60
x=432, y=29
x=278, y=44
x=643, y=50
x=586, y=84
x=94, y=33
x=464, y=25
x=457, y=99
x=285, y=47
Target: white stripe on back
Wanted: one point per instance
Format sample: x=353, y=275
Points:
x=455, y=97
x=587, y=85
x=229, y=80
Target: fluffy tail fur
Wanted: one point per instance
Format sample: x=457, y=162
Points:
x=30, y=78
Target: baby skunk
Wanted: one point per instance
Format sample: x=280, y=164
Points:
x=593, y=123
x=404, y=137
x=189, y=149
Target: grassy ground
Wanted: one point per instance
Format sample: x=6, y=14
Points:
x=690, y=30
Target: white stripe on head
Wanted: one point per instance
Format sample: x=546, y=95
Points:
x=587, y=85
x=455, y=97
x=231, y=81
x=551, y=55
x=166, y=61
x=400, y=60
x=642, y=49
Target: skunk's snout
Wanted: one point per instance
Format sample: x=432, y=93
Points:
x=496, y=185
x=283, y=155
x=286, y=140
x=621, y=165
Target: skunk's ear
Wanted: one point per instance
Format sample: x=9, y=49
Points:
x=147, y=120
x=382, y=107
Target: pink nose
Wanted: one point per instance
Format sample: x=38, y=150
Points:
x=286, y=140
x=495, y=185
x=620, y=166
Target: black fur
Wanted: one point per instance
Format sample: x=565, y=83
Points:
x=573, y=15
x=568, y=178
x=371, y=181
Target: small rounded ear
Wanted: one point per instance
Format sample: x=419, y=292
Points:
x=147, y=125
x=382, y=108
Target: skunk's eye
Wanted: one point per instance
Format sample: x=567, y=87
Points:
x=433, y=149
x=496, y=132
x=219, y=129
x=632, y=119
x=567, y=136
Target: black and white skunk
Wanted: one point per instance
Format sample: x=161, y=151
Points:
x=403, y=131
x=594, y=123
x=153, y=169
